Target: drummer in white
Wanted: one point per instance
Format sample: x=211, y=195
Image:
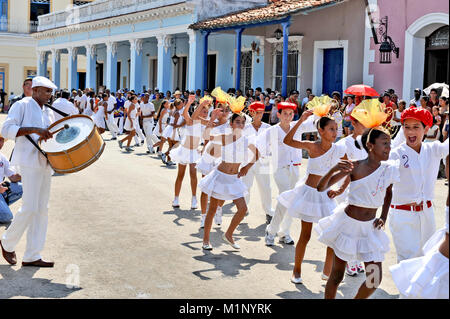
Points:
x=28, y=117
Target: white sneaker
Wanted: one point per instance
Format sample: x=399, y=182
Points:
x=194, y=203
x=159, y=153
x=202, y=222
x=175, y=203
x=295, y=280
x=218, y=216
x=324, y=277
x=351, y=269
x=269, y=239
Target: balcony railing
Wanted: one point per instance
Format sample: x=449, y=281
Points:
x=17, y=27
x=100, y=9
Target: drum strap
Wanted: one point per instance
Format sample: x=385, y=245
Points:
x=35, y=145
x=56, y=110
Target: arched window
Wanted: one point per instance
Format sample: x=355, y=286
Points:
x=438, y=40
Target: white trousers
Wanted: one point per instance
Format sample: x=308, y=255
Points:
x=410, y=231
x=120, y=121
x=112, y=126
x=148, y=129
x=33, y=214
x=261, y=174
x=285, y=178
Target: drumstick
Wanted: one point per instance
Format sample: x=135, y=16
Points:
x=66, y=126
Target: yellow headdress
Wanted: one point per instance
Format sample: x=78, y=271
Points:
x=206, y=98
x=220, y=95
x=236, y=104
x=320, y=105
x=371, y=113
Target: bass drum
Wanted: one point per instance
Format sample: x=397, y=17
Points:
x=74, y=148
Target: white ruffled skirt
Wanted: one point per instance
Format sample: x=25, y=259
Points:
x=182, y=155
x=206, y=163
x=352, y=239
x=169, y=132
x=307, y=203
x=223, y=186
x=423, y=277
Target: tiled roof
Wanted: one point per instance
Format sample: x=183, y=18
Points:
x=275, y=10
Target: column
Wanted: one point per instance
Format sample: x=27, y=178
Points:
x=91, y=64
x=56, y=67
x=111, y=66
x=205, y=61
x=195, y=80
x=164, y=63
x=42, y=63
x=238, y=57
x=72, y=68
x=136, y=65
x=285, y=58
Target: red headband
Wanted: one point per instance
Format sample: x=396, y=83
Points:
x=287, y=105
x=421, y=115
x=256, y=106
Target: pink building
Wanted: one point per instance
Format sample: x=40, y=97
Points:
x=420, y=30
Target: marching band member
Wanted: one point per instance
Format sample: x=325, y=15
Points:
x=352, y=230
x=186, y=153
x=412, y=214
x=285, y=161
x=260, y=170
x=224, y=182
x=27, y=117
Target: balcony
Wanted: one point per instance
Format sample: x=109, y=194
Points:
x=97, y=10
x=18, y=27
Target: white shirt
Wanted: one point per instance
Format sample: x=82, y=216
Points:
x=398, y=115
x=26, y=113
x=111, y=101
x=127, y=104
x=270, y=143
x=5, y=169
x=338, y=119
x=418, y=172
x=78, y=99
x=83, y=102
x=147, y=109
x=250, y=130
x=417, y=103
x=429, y=137
x=65, y=106
x=353, y=153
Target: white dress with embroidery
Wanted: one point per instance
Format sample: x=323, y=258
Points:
x=350, y=238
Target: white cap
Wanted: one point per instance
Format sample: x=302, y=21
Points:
x=43, y=81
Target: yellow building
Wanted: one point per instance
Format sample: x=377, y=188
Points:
x=18, y=59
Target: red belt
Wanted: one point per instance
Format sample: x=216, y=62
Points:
x=416, y=208
x=297, y=164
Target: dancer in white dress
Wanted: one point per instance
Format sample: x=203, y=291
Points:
x=224, y=182
x=101, y=114
x=305, y=201
x=161, y=123
x=171, y=133
x=187, y=152
x=130, y=123
x=352, y=231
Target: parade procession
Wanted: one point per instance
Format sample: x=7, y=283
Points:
x=317, y=169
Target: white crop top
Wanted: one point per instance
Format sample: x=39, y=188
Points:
x=237, y=152
x=322, y=164
x=369, y=191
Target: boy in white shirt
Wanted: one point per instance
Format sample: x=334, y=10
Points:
x=411, y=214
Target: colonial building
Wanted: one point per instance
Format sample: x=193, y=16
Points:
x=18, y=20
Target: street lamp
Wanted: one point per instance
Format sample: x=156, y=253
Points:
x=175, y=58
x=278, y=34
x=387, y=45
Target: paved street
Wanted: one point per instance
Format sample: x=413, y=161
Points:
x=113, y=230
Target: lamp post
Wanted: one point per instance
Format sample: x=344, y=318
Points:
x=175, y=58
